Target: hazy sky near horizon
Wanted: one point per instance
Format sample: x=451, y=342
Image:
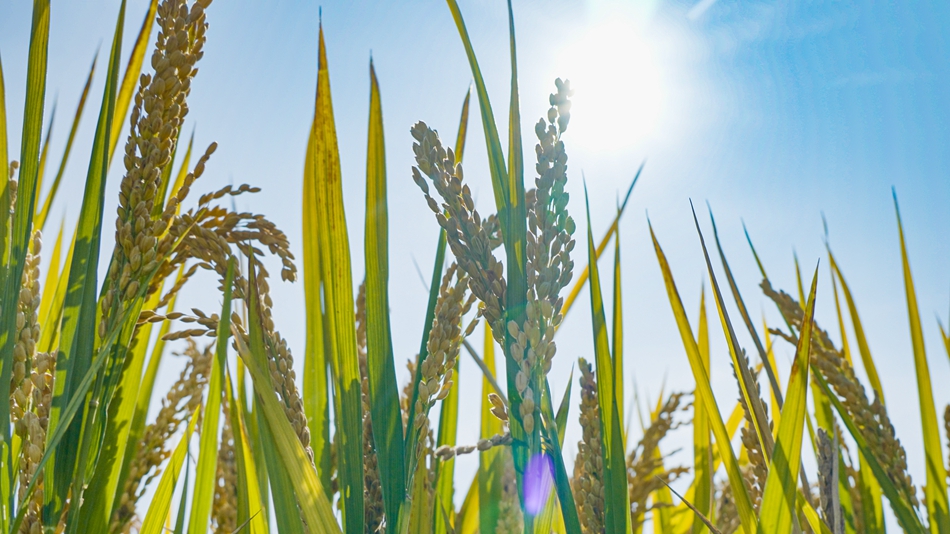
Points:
x=773, y=112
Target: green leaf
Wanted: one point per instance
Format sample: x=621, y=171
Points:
x=338, y=295
x=779, y=499
x=316, y=395
x=383, y=388
x=747, y=517
x=43, y=214
x=562, y=483
x=158, y=509
x=702, y=497
x=206, y=472
x=770, y=369
x=616, y=498
x=290, y=475
x=740, y=363
x=250, y=507
x=490, y=462
x=510, y=204
x=445, y=469
x=938, y=508
x=14, y=254
x=78, y=323
x=581, y=280
x=617, y=348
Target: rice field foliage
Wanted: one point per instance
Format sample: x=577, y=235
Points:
x=240, y=444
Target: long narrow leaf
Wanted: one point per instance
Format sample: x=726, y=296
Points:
x=383, y=389
x=19, y=233
x=938, y=507
x=747, y=517
x=205, y=474
x=43, y=214
x=702, y=497
x=161, y=504
x=78, y=324
x=338, y=295
x=616, y=498
x=779, y=500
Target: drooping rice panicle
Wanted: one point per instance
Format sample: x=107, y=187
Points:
x=646, y=472
x=445, y=339
x=467, y=233
x=180, y=401
x=588, y=482
x=871, y=417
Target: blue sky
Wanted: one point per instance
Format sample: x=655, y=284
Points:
x=773, y=112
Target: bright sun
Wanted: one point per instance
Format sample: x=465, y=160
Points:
x=619, y=95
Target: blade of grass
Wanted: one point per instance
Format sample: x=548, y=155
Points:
x=77, y=326
x=383, y=388
x=546, y=520
x=19, y=233
x=316, y=395
x=747, y=517
x=747, y=387
x=702, y=451
x=206, y=472
x=161, y=504
x=781, y=487
x=616, y=498
x=585, y=274
x=249, y=505
x=338, y=295
x=286, y=448
x=467, y=520
x=490, y=462
x=182, y=505
x=445, y=470
x=43, y=214
x=770, y=370
x=617, y=348
x=863, y=348
x=510, y=206
x=44, y=154
x=562, y=484
x=938, y=507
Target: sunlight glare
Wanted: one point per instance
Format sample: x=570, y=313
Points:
x=619, y=94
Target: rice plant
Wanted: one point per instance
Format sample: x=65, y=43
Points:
x=345, y=447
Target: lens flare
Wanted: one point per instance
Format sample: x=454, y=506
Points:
x=538, y=480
